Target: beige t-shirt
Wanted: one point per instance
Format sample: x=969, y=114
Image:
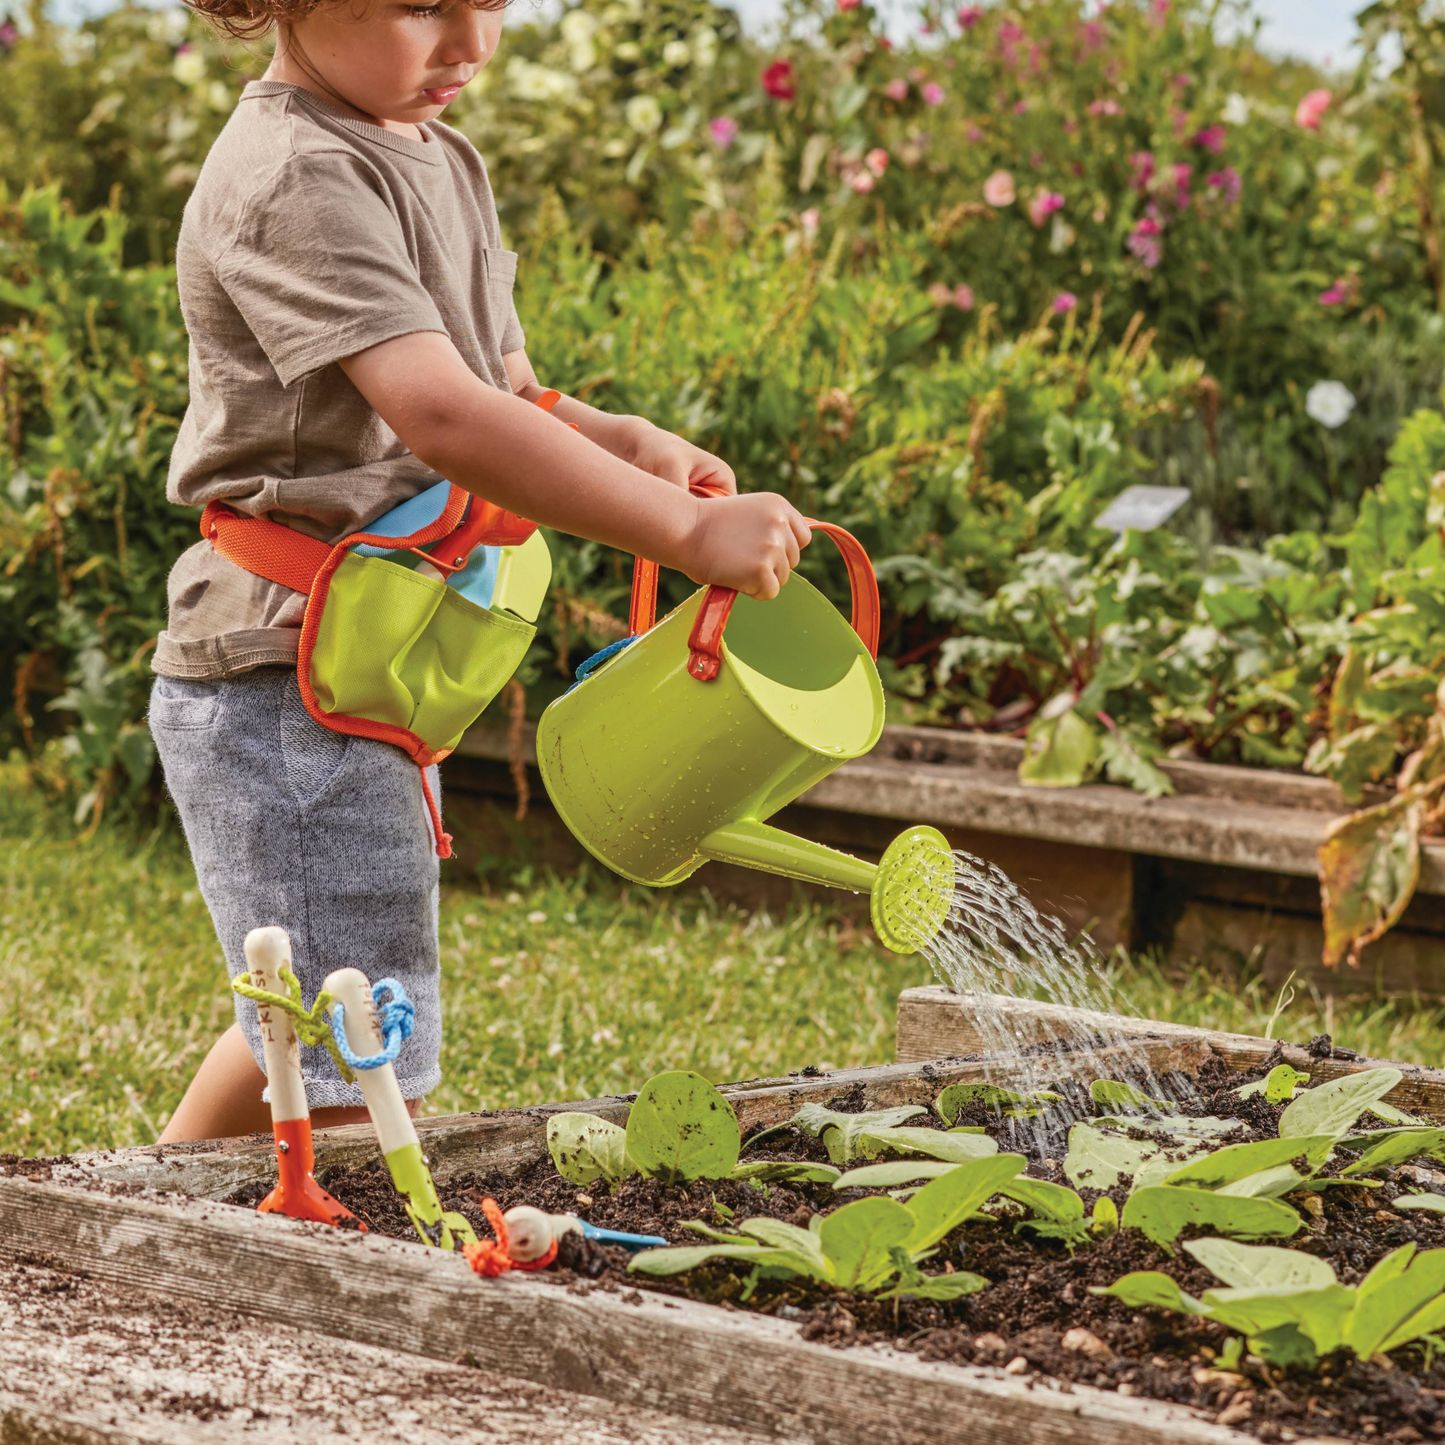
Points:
x=310, y=236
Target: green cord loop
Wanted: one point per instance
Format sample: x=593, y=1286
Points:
x=311, y=1025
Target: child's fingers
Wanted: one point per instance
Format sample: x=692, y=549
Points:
x=801, y=530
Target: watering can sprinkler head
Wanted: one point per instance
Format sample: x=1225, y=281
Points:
x=911, y=894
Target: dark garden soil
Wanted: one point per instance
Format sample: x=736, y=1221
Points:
x=1037, y=1317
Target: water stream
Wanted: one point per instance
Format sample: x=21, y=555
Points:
x=996, y=944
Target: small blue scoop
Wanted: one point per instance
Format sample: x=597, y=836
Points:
x=616, y=1236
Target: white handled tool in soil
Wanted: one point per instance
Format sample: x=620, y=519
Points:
x=297, y=1194
x=531, y=1233
x=351, y=991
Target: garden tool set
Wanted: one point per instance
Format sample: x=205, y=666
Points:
x=367, y=1027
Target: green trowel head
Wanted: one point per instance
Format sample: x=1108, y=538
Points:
x=913, y=889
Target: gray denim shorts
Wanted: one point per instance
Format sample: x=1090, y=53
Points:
x=325, y=835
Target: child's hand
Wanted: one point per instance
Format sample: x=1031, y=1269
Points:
x=676, y=460
x=749, y=543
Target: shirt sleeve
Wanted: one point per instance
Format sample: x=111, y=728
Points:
x=319, y=267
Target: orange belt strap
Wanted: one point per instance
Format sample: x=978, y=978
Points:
x=280, y=554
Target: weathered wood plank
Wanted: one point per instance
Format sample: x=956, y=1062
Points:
x=1274, y=822
x=933, y=1022
x=513, y=1138
x=164, y=1373
x=721, y=1367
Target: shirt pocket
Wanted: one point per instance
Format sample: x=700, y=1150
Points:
x=501, y=279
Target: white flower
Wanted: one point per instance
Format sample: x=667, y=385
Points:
x=644, y=114
x=169, y=26
x=613, y=149
x=1061, y=236
x=628, y=50
x=189, y=67
x=704, y=46
x=1236, y=109
x=219, y=95
x=1330, y=403
x=577, y=27
x=537, y=82
x=582, y=55
x=676, y=53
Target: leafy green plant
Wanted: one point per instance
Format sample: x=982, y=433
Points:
x=1292, y=1310
x=1279, y=1086
x=1162, y=1212
x=1010, y=1103
x=872, y=1245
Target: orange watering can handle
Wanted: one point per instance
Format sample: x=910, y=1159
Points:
x=705, y=641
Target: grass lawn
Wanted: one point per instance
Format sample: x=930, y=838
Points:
x=112, y=988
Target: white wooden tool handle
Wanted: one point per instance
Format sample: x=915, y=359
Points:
x=268, y=950
x=394, y=1129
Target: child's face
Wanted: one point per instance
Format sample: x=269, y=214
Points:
x=397, y=61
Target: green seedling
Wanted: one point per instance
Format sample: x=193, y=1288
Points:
x=873, y=1245
x=1279, y=1086
x=1292, y=1310
x=1007, y=1102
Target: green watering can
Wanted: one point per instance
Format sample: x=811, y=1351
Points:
x=676, y=746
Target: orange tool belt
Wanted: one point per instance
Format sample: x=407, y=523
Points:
x=387, y=651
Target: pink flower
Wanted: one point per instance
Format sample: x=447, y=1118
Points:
x=896, y=89
x=1227, y=183
x=1091, y=37
x=1021, y=107
x=876, y=160
x=8, y=35
x=1105, y=107
x=1142, y=164
x=862, y=182
x=1043, y=206
x=778, y=80
x=1159, y=12
x=724, y=130
x=998, y=189
x=963, y=297
x=1183, y=175
x=933, y=93
x=1010, y=34
x=849, y=4
x=885, y=42
x=1071, y=126
x=918, y=75
x=1144, y=243
x=1345, y=292
x=969, y=15
x=939, y=294
x=1065, y=302
x=1311, y=110
x=973, y=135
x=1212, y=139
x=809, y=219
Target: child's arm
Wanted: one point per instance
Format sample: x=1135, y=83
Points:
x=633, y=438
x=509, y=451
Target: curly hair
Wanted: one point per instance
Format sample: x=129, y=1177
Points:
x=251, y=19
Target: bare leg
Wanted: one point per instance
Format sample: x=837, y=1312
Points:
x=224, y=1099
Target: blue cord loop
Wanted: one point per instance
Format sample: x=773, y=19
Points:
x=397, y=1017
x=586, y=669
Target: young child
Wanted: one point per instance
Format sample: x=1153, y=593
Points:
x=353, y=340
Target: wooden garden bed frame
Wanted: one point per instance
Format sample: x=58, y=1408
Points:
x=683, y=1359
x=1224, y=870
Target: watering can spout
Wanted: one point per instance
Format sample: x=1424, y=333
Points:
x=909, y=889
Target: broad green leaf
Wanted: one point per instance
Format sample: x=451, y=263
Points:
x=708, y=1232
x=1058, y=1211
x=942, y=1205
x=857, y=1238
x=675, y=1259
x=1126, y=761
x=786, y=1171
x=1427, y=1321
x=1402, y=1146
x=938, y=1287
x=1332, y=1108
x=1115, y=1094
x=1003, y=1101
x=891, y=1173
x=585, y=1148
x=935, y=1143
x=839, y=1132
x=1320, y=1313
x=1397, y=1287
x=1238, y=1161
x=1060, y=747
x=1244, y=1266
x=1288, y=1346
x=1369, y=866
x=1163, y=1212
x=681, y=1128
x=1269, y=1183
x=1279, y=1086
x=1097, y=1159
x=1178, y=1126
x=1431, y=1203
x=1150, y=1287
x=1391, y=1115
x=781, y=1235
